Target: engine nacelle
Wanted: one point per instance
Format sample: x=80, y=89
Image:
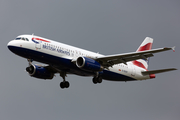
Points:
x=88, y=64
x=39, y=72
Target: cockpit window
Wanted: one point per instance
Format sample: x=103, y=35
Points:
x=24, y=39
x=18, y=38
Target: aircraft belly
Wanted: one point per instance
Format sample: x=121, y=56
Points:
x=112, y=76
x=66, y=64
x=62, y=63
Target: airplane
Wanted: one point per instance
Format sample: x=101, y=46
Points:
x=65, y=59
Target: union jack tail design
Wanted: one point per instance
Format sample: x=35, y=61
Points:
x=146, y=45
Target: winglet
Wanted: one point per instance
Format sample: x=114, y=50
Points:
x=173, y=48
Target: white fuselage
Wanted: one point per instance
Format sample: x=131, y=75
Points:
x=43, y=50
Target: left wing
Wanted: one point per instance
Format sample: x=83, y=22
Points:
x=107, y=61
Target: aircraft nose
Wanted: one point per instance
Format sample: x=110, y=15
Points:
x=10, y=45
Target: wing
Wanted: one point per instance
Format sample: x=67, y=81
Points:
x=110, y=60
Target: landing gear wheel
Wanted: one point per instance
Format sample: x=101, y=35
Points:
x=94, y=80
x=64, y=84
x=99, y=79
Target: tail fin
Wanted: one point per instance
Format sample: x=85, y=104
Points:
x=145, y=45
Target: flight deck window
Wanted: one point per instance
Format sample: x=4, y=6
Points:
x=18, y=38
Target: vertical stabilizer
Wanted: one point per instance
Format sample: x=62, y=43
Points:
x=146, y=45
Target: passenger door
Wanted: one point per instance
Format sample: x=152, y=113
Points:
x=38, y=45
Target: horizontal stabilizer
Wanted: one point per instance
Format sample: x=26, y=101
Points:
x=157, y=71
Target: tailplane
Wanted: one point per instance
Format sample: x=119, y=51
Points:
x=145, y=45
x=157, y=71
x=153, y=72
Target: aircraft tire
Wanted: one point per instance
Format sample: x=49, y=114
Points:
x=94, y=80
x=99, y=79
x=62, y=85
x=66, y=84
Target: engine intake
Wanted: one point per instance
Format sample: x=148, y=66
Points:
x=39, y=72
x=88, y=64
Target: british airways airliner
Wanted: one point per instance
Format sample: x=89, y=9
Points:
x=65, y=59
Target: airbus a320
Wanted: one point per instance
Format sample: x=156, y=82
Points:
x=65, y=59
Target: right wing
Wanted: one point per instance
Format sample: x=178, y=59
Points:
x=107, y=61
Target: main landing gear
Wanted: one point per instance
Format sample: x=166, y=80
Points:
x=97, y=79
x=64, y=84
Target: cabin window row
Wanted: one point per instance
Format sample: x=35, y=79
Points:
x=68, y=50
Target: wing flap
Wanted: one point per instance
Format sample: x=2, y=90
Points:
x=157, y=71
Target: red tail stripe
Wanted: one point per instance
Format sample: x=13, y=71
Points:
x=148, y=46
x=139, y=64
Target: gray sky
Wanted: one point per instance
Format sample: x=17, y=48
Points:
x=105, y=26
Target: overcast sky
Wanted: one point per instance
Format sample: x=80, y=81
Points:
x=104, y=26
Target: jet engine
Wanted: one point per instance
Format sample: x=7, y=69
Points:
x=88, y=64
x=39, y=72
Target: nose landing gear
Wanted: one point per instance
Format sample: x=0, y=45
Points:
x=64, y=84
x=97, y=78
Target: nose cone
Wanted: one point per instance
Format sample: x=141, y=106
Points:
x=15, y=47
x=10, y=45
